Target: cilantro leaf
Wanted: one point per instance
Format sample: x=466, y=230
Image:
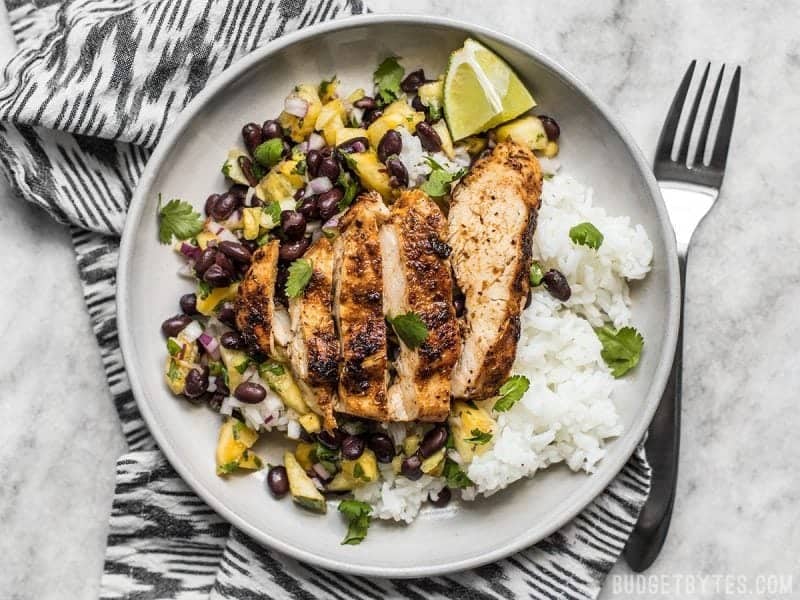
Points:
x=536, y=274
x=177, y=218
x=410, y=328
x=203, y=289
x=358, y=519
x=440, y=182
x=173, y=372
x=350, y=186
x=511, y=391
x=586, y=234
x=271, y=368
x=325, y=85
x=455, y=476
x=387, y=78
x=273, y=210
x=621, y=349
x=173, y=347
x=269, y=153
x=300, y=272
x=242, y=366
x=479, y=437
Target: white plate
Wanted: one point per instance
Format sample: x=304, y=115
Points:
x=186, y=164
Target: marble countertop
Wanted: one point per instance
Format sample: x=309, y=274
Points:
x=737, y=512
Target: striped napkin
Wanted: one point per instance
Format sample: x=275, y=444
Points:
x=85, y=100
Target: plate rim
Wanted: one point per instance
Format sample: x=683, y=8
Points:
x=572, y=506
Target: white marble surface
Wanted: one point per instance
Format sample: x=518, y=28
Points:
x=737, y=512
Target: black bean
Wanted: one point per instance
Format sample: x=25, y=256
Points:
x=250, y=392
x=328, y=167
x=428, y=137
x=222, y=388
x=217, y=276
x=278, y=481
x=557, y=285
x=366, y=103
x=413, y=81
x=251, y=133
x=250, y=245
x=309, y=208
x=211, y=201
x=240, y=191
x=280, y=282
x=398, y=176
x=551, y=128
x=293, y=250
x=411, y=467
x=188, y=304
x=313, y=158
x=287, y=149
x=227, y=314
x=458, y=304
x=443, y=499
x=271, y=129
x=357, y=144
x=293, y=224
x=529, y=299
x=246, y=165
x=232, y=340
x=225, y=205
x=196, y=383
x=383, y=447
x=330, y=439
x=215, y=401
x=391, y=144
x=225, y=264
x=207, y=258
x=417, y=105
x=433, y=441
x=370, y=116
x=235, y=251
x=174, y=325
x=329, y=203
x=353, y=447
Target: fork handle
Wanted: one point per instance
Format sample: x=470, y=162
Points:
x=663, y=450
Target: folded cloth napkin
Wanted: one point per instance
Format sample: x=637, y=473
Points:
x=85, y=100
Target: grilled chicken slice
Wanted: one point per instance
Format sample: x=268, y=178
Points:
x=255, y=301
x=358, y=309
x=417, y=279
x=492, y=219
x=314, y=347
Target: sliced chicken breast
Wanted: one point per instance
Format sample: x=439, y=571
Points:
x=492, y=219
x=255, y=301
x=417, y=279
x=358, y=310
x=314, y=346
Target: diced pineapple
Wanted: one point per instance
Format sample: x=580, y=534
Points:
x=304, y=453
x=235, y=438
x=231, y=168
x=281, y=382
x=236, y=363
x=175, y=374
x=430, y=464
x=371, y=172
x=300, y=128
x=551, y=149
x=203, y=238
x=396, y=114
x=432, y=95
x=206, y=306
x=356, y=95
x=397, y=464
x=355, y=473
x=349, y=133
x=328, y=114
x=440, y=127
x=328, y=89
x=465, y=419
x=410, y=444
x=528, y=131
x=280, y=183
x=251, y=218
x=475, y=144
x=311, y=422
x=333, y=126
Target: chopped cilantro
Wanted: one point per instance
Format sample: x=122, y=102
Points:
x=358, y=471
x=242, y=366
x=227, y=468
x=511, y=391
x=215, y=368
x=586, y=234
x=325, y=86
x=273, y=210
x=621, y=349
x=536, y=274
x=387, y=78
x=300, y=272
x=177, y=218
x=479, y=437
x=270, y=368
x=358, y=519
x=440, y=181
x=410, y=328
x=203, y=289
x=455, y=476
x=173, y=372
x=173, y=347
x=350, y=186
x=269, y=153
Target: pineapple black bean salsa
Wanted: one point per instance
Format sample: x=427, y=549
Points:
x=293, y=180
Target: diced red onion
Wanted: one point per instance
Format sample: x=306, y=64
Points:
x=210, y=344
x=318, y=484
x=357, y=114
x=301, y=147
x=248, y=197
x=226, y=235
x=293, y=430
x=315, y=235
x=187, y=270
x=235, y=220
x=318, y=185
x=192, y=331
x=333, y=222
x=295, y=106
x=190, y=252
x=321, y=472
x=227, y=406
x=316, y=142
x=212, y=384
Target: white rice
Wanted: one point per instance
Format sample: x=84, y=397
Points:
x=568, y=413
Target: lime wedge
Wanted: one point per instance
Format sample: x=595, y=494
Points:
x=481, y=91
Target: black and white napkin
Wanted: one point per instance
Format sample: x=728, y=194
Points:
x=86, y=98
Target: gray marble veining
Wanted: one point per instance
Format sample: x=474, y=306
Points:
x=738, y=505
